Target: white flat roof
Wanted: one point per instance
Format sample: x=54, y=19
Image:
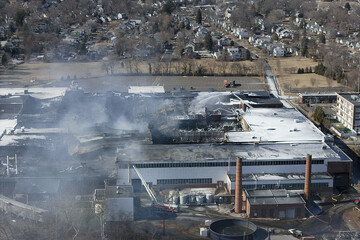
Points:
x=37, y=92
x=18, y=140
x=224, y=152
x=146, y=89
x=7, y=125
x=276, y=125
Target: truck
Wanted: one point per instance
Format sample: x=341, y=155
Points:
x=162, y=207
x=230, y=84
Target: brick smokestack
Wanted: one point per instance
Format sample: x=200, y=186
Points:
x=307, y=186
x=238, y=186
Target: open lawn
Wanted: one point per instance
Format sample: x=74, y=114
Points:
x=92, y=77
x=285, y=69
x=38, y=73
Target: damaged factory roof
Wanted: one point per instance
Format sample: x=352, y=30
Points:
x=37, y=185
x=215, y=152
x=27, y=136
x=40, y=93
x=7, y=125
x=19, y=140
x=146, y=89
x=276, y=125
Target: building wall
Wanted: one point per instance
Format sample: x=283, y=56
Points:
x=151, y=175
x=318, y=98
x=289, y=184
x=201, y=175
x=341, y=168
x=119, y=209
x=272, y=211
x=345, y=113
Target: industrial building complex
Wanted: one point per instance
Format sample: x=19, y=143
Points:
x=267, y=157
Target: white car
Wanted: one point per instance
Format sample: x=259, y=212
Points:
x=295, y=232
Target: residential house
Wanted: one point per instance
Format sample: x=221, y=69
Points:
x=121, y=16
x=278, y=52
x=228, y=12
x=201, y=33
x=234, y=53
x=243, y=34
x=225, y=42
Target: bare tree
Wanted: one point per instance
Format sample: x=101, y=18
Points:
x=296, y=82
x=329, y=81
x=137, y=66
x=313, y=81
x=211, y=66
x=105, y=67
x=177, y=68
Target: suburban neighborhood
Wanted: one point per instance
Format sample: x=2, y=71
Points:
x=179, y=119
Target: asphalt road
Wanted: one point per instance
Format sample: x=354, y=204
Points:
x=191, y=83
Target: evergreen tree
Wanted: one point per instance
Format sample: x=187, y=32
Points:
x=347, y=6
x=19, y=17
x=187, y=26
x=275, y=37
x=247, y=55
x=4, y=60
x=319, y=115
x=322, y=38
x=209, y=42
x=198, y=17
x=304, y=46
x=169, y=7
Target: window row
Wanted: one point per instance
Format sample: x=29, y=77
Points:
x=284, y=186
x=219, y=164
x=185, y=181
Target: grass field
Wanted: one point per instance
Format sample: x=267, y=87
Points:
x=290, y=82
x=38, y=73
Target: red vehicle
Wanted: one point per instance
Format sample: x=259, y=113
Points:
x=357, y=201
x=230, y=84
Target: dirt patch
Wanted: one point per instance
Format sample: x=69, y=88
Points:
x=285, y=69
x=352, y=218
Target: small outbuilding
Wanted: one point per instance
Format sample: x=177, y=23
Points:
x=274, y=203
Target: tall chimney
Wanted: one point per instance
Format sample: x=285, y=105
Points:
x=16, y=164
x=238, y=186
x=7, y=166
x=307, y=185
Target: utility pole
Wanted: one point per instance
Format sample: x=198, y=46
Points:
x=163, y=224
x=358, y=81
